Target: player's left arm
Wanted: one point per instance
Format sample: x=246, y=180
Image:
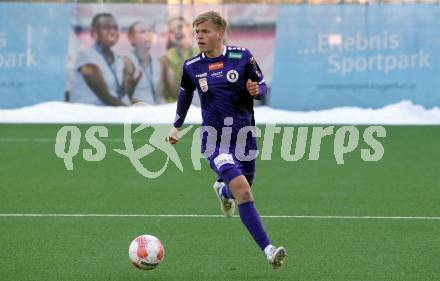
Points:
x=255, y=83
x=186, y=92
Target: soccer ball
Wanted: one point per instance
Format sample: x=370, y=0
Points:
x=146, y=252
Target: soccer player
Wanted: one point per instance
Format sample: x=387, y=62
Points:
x=228, y=79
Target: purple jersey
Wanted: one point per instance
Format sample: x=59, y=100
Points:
x=221, y=84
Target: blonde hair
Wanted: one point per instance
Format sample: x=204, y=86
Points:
x=212, y=16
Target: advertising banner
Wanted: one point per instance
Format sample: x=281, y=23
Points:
x=151, y=42
x=33, y=52
x=356, y=55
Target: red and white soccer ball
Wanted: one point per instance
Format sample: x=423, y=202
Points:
x=146, y=252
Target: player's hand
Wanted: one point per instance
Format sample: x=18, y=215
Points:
x=252, y=88
x=173, y=137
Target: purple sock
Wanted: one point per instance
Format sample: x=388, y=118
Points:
x=226, y=192
x=251, y=219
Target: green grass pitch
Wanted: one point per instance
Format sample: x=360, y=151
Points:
x=404, y=183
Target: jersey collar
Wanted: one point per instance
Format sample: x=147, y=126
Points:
x=223, y=54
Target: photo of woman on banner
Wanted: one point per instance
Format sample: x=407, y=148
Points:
x=141, y=61
x=101, y=76
x=179, y=48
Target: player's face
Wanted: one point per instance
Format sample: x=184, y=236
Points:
x=208, y=36
x=106, y=32
x=143, y=36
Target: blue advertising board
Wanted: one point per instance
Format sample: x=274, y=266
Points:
x=33, y=52
x=356, y=55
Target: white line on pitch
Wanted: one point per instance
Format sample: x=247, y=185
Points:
x=54, y=140
x=220, y=216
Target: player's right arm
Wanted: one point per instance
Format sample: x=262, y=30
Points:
x=93, y=77
x=184, y=100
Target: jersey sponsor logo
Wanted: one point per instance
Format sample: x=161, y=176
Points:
x=218, y=74
x=201, y=75
x=192, y=61
x=232, y=76
x=223, y=159
x=233, y=55
x=203, y=82
x=216, y=66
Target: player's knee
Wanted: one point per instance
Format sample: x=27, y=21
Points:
x=241, y=189
x=245, y=196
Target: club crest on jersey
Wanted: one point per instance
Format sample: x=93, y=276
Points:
x=215, y=65
x=203, y=82
x=232, y=76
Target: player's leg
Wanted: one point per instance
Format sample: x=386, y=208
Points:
x=227, y=202
x=236, y=176
x=248, y=170
x=227, y=199
x=223, y=189
x=241, y=189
